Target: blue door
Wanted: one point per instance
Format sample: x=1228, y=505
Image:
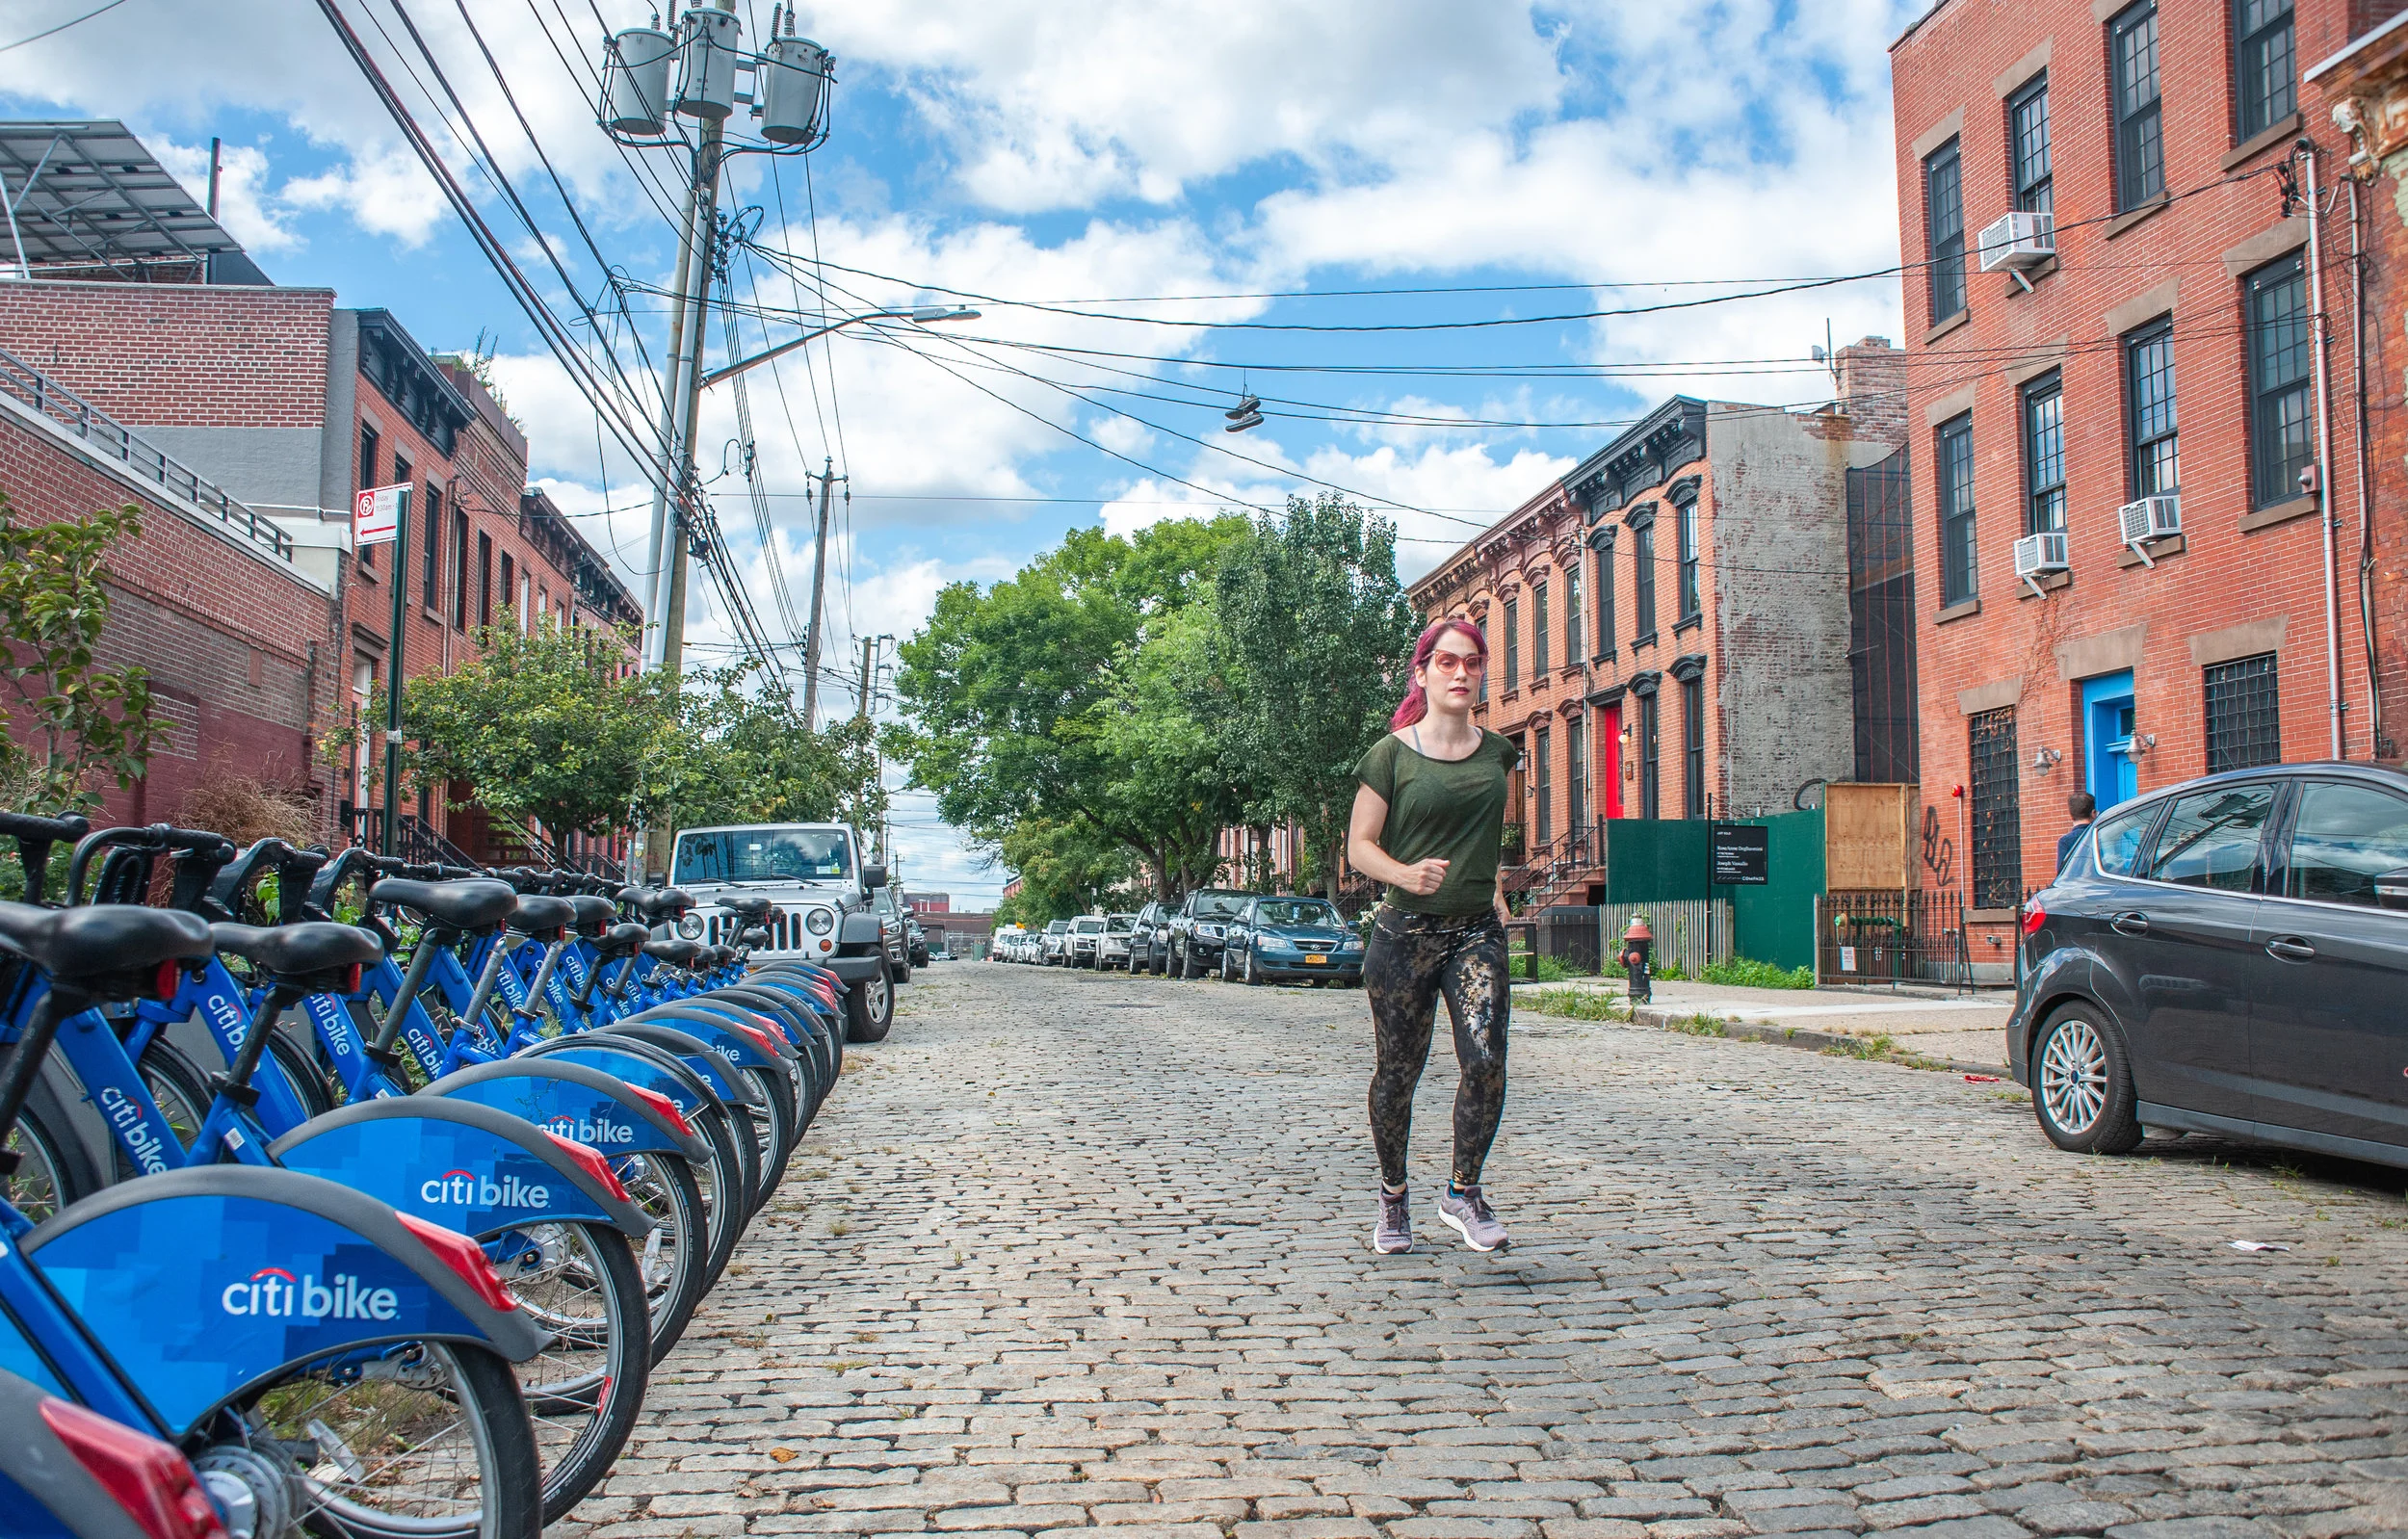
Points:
x=2107, y=713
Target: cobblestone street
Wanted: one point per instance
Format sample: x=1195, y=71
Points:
x=1072, y=1251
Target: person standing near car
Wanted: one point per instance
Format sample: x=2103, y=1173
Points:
x=1428, y=821
x=2081, y=807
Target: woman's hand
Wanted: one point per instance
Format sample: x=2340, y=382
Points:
x=1424, y=877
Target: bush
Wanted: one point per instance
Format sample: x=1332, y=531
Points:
x=246, y=811
x=1550, y=970
x=1743, y=972
x=1580, y=1003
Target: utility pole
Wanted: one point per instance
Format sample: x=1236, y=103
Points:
x=819, y=589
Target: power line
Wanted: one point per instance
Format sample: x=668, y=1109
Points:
x=72, y=21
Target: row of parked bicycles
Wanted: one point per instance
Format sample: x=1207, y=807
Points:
x=353, y=1198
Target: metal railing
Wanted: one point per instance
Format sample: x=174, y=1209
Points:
x=414, y=839
x=1892, y=937
x=112, y=439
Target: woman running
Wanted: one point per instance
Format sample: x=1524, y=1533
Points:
x=1430, y=822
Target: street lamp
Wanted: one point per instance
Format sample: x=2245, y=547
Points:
x=918, y=314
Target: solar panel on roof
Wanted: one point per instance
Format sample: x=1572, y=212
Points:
x=88, y=194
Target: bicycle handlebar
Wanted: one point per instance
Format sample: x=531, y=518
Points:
x=33, y=836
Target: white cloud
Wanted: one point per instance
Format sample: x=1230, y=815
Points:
x=245, y=205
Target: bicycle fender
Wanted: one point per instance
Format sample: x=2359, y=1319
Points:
x=701, y=1056
x=663, y=1076
x=207, y=1282
x=44, y=1489
x=574, y=1100
x=455, y=1164
x=716, y=1031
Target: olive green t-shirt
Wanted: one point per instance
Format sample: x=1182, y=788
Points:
x=1450, y=810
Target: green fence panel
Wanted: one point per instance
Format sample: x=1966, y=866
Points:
x=1775, y=923
x=1653, y=859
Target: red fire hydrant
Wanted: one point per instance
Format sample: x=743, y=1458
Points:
x=1638, y=944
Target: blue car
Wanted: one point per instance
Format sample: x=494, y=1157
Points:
x=1275, y=938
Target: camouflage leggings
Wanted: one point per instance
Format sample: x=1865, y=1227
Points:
x=1413, y=961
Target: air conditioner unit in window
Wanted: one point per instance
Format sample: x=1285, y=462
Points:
x=2014, y=242
x=2037, y=554
x=2149, y=518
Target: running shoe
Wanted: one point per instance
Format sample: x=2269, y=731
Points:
x=1393, y=1235
x=1467, y=1213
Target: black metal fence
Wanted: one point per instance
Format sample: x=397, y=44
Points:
x=1893, y=937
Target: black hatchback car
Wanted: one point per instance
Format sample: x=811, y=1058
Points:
x=2229, y=956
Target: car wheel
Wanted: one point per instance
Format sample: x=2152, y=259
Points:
x=1253, y=974
x=1184, y=956
x=870, y=1010
x=2083, y=1083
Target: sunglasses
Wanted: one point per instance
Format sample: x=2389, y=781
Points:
x=1458, y=662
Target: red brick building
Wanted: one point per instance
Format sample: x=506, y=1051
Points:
x=1669, y=625
x=2132, y=415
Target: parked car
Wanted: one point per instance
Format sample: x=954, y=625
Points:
x=895, y=929
x=916, y=940
x=2226, y=956
x=1149, y=939
x=1196, y=928
x=1055, y=950
x=828, y=908
x=1086, y=937
x=1111, y=948
x=1275, y=938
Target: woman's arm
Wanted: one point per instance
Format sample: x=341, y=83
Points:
x=1363, y=851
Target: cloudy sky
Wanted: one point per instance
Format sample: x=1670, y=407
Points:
x=1394, y=221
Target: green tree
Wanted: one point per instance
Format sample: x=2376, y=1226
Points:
x=1065, y=867
x=742, y=754
x=1320, y=636
x=547, y=726
x=72, y=722
x=1162, y=734
x=1009, y=689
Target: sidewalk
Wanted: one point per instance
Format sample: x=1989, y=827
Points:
x=1963, y=1032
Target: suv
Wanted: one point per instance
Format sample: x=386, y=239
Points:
x=2226, y=956
x=1149, y=939
x=895, y=925
x=1197, y=927
x=826, y=904
x=1086, y=939
x=917, y=938
x=1055, y=948
x=1111, y=948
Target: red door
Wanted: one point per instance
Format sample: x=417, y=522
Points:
x=1605, y=752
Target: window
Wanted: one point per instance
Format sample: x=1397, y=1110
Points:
x=1954, y=460
x=509, y=584
x=2028, y=146
x=484, y=579
x=1944, y=230
x=1513, y=644
x=1604, y=600
x=1644, y=581
x=2118, y=835
x=2345, y=837
x=1649, y=712
x=1541, y=786
x=1576, y=776
x=1572, y=653
x=368, y=447
x=1687, y=531
x=1694, y=747
x=2139, y=130
x=2210, y=838
x=2267, y=89
x=2044, y=456
x=1538, y=632
x=2244, y=722
x=432, y=546
x=2280, y=446
x=459, y=569
x=2148, y=386
x=1996, y=811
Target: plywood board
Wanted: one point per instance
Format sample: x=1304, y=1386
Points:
x=1865, y=837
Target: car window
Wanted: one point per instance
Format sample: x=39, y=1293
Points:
x=1287, y=912
x=2117, y=837
x=761, y=855
x=2210, y=838
x=1218, y=905
x=2344, y=837
x=1119, y=923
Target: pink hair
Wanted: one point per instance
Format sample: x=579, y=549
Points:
x=1415, y=702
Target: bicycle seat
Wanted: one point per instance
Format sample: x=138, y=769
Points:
x=594, y=915
x=77, y=943
x=475, y=905
x=317, y=946
x=750, y=906
x=663, y=902
x=533, y=914
x=673, y=951
x=620, y=940
x=754, y=935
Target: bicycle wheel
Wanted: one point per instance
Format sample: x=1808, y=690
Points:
x=774, y=1130
x=51, y=1169
x=311, y=1082
x=428, y=1440
x=584, y=1391
x=675, y=1261
x=182, y=1093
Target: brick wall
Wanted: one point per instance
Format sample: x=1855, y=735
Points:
x=2242, y=575
x=177, y=355
x=234, y=642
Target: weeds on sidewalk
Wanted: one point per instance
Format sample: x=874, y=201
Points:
x=1743, y=972
x=1580, y=1003
x=1699, y=1025
x=1881, y=1048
